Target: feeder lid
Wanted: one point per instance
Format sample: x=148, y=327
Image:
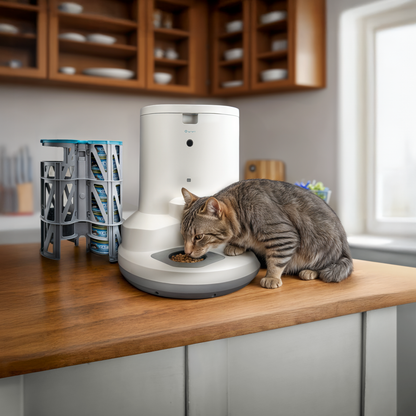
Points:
x=80, y=141
x=189, y=109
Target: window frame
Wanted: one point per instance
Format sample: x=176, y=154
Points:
x=374, y=24
x=356, y=132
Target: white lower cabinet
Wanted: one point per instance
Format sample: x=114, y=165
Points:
x=151, y=384
x=339, y=366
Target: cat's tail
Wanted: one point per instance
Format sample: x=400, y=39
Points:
x=336, y=272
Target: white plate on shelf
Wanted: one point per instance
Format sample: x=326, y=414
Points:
x=77, y=37
x=6, y=28
x=100, y=38
x=230, y=84
x=118, y=73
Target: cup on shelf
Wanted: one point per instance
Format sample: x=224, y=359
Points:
x=167, y=20
x=171, y=54
x=279, y=45
x=272, y=17
x=69, y=70
x=234, y=26
x=158, y=52
x=157, y=18
x=69, y=7
x=162, y=77
x=273, y=74
x=236, y=53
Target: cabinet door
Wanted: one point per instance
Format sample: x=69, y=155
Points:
x=231, y=48
x=23, y=40
x=177, y=46
x=151, y=384
x=119, y=55
x=288, y=47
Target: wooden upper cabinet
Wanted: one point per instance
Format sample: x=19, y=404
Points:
x=123, y=20
x=248, y=40
x=287, y=36
x=177, y=46
x=230, y=51
x=23, y=40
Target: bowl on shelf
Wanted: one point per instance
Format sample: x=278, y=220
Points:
x=118, y=73
x=231, y=84
x=279, y=45
x=162, y=77
x=69, y=70
x=273, y=74
x=100, y=38
x=272, y=17
x=6, y=28
x=77, y=37
x=170, y=53
x=69, y=7
x=234, y=26
x=15, y=63
x=231, y=54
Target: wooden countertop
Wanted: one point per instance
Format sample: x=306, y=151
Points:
x=80, y=309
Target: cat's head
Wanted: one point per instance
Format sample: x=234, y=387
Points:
x=204, y=224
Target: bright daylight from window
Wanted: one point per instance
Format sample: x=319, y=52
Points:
x=395, y=123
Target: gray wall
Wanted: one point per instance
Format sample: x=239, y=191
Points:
x=298, y=128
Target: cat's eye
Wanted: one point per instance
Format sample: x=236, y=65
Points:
x=199, y=237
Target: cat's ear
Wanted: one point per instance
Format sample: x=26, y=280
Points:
x=213, y=207
x=189, y=197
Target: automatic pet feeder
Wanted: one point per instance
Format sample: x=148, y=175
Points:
x=191, y=146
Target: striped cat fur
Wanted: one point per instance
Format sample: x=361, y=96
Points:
x=289, y=227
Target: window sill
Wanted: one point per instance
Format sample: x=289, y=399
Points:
x=383, y=243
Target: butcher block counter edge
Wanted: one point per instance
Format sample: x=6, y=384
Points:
x=80, y=309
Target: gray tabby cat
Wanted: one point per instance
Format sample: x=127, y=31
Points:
x=292, y=228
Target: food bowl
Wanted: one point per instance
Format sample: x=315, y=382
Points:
x=272, y=17
x=162, y=77
x=231, y=84
x=100, y=38
x=234, y=26
x=279, y=45
x=69, y=7
x=70, y=70
x=273, y=74
x=236, y=53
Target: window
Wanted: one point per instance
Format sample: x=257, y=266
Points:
x=394, y=157
x=378, y=119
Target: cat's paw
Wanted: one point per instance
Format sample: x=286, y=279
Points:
x=271, y=282
x=308, y=274
x=231, y=250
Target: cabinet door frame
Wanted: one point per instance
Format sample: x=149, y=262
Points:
x=217, y=35
x=306, y=36
x=40, y=71
x=54, y=74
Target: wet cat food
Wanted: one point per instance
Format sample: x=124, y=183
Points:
x=184, y=258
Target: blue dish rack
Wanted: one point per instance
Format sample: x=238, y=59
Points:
x=81, y=196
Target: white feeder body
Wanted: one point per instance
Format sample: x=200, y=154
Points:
x=190, y=146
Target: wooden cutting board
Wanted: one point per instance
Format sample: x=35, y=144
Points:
x=265, y=169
